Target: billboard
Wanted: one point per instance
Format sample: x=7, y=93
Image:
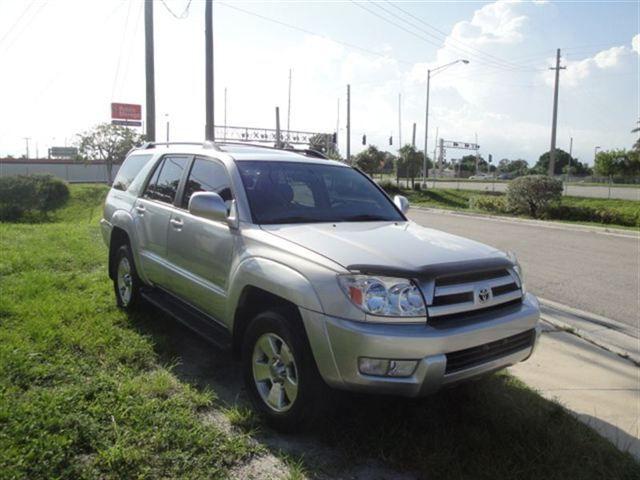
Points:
x=127, y=123
x=63, y=152
x=126, y=111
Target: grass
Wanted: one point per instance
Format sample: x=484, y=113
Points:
x=627, y=211
x=84, y=392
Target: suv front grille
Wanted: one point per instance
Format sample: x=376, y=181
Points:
x=472, y=293
x=470, y=357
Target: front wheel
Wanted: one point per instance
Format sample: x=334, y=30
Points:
x=280, y=373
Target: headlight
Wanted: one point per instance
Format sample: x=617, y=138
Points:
x=385, y=296
x=518, y=269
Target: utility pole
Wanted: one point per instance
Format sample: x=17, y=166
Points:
x=289, y=106
x=278, y=144
x=208, y=53
x=554, y=124
x=477, y=155
x=149, y=71
x=166, y=116
x=570, y=155
x=435, y=149
x=349, y=124
x=399, y=120
x=225, y=114
x=26, y=141
x=425, y=171
x=413, y=136
x=338, y=121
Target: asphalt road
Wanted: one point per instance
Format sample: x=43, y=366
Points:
x=594, y=272
x=624, y=193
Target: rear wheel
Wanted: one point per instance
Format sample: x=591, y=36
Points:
x=126, y=283
x=280, y=373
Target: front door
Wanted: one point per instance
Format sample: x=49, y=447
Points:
x=152, y=213
x=200, y=249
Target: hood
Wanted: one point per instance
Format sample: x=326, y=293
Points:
x=405, y=245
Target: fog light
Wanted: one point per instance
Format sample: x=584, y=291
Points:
x=401, y=368
x=373, y=366
x=388, y=368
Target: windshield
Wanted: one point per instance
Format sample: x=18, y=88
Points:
x=288, y=192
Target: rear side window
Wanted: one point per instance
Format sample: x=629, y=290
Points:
x=130, y=168
x=207, y=176
x=163, y=185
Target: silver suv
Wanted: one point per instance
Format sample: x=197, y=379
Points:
x=305, y=269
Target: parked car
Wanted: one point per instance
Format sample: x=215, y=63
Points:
x=310, y=274
x=481, y=176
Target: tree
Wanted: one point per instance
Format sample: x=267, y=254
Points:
x=636, y=145
x=617, y=162
x=370, y=160
x=468, y=164
x=410, y=162
x=109, y=143
x=561, y=164
x=323, y=142
x=516, y=168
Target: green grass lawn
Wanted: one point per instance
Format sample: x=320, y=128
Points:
x=82, y=394
x=87, y=391
x=454, y=199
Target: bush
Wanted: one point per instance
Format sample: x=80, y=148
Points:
x=20, y=195
x=489, y=203
x=533, y=194
x=391, y=188
x=581, y=213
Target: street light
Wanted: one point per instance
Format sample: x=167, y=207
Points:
x=426, y=122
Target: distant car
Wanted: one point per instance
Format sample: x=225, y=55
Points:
x=311, y=274
x=505, y=176
x=480, y=176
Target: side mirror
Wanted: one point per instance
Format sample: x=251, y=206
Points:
x=208, y=205
x=402, y=203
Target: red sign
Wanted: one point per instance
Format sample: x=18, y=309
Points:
x=126, y=111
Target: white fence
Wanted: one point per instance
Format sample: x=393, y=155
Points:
x=72, y=172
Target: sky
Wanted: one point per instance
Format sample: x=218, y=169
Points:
x=64, y=61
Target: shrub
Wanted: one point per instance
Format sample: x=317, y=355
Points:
x=533, y=194
x=489, y=203
x=582, y=213
x=391, y=188
x=22, y=194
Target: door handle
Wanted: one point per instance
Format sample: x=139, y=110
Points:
x=177, y=223
x=140, y=209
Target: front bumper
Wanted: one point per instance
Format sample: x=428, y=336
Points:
x=337, y=345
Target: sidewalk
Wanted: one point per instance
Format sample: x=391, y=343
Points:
x=599, y=387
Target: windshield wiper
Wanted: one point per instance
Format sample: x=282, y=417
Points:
x=366, y=218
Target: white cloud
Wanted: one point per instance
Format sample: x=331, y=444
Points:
x=635, y=44
x=577, y=71
x=496, y=22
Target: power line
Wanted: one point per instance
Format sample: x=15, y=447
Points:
x=29, y=22
x=443, y=36
x=124, y=36
x=183, y=15
x=15, y=24
x=309, y=32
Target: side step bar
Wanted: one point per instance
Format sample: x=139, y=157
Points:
x=192, y=318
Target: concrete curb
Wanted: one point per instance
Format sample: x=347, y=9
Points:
x=540, y=223
x=603, y=332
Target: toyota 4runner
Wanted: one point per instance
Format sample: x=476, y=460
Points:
x=305, y=269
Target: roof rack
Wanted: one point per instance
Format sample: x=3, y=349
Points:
x=205, y=144
x=307, y=152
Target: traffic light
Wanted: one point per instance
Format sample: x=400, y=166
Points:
x=364, y=139
x=334, y=138
x=391, y=140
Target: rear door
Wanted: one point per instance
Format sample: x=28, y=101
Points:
x=202, y=250
x=152, y=212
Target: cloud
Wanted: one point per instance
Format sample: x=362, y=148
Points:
x=496, y=22
x=577, y=71
x=635, y=44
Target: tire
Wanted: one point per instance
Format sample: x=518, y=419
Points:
x=126, y=283
x=296, y=403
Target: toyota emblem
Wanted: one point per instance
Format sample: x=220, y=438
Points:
x=484, y=294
